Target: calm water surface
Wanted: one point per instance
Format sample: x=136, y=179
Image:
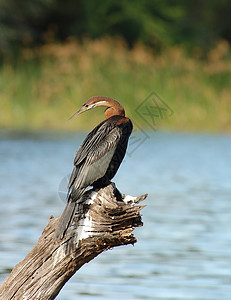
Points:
x=184, y=247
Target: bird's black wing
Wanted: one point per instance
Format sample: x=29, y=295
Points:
x=93, y=138
x=93, y=157
x=91, y=163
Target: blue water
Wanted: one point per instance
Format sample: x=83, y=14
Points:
x=183, y=249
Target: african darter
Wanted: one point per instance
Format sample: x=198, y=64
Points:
x=98, y=157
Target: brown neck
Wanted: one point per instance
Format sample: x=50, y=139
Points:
x=114, y=108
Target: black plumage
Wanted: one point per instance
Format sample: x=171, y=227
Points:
x=98, y=157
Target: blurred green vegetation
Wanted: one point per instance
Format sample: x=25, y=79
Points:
x=51, y=82
x=155, y=23
x=55, y=54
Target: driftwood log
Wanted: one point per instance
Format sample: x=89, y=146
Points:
x=102, y=221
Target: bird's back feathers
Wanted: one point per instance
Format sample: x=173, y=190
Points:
x=96, y=162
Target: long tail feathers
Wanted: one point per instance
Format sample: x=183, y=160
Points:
x=65, y=220
x=69, y=211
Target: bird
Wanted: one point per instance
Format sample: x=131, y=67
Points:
x=98, y=157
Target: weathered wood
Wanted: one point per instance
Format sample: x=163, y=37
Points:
x=101, y=222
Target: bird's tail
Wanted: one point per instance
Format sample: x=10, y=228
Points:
x=65, y=219
x=69, y=211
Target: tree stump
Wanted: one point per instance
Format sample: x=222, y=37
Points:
x=101, y=222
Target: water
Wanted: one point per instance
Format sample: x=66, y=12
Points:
x=184, y=247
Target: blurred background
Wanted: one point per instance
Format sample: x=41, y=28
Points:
x=56, y=54
x=169, y=64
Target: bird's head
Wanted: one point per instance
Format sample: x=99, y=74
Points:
x=96, y=101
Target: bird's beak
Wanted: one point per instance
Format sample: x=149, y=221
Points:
x=80, y=111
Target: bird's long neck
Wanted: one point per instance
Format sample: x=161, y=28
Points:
x=114, y=108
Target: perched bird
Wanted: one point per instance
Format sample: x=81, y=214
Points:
x=98, y=157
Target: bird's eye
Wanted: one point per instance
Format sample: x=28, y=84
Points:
x=86, y=105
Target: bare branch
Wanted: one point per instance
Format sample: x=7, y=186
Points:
x=101, y=222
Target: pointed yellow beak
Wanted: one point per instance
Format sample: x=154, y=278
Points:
x=80, y=111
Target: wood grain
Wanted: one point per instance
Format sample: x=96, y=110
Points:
x=101, y=222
